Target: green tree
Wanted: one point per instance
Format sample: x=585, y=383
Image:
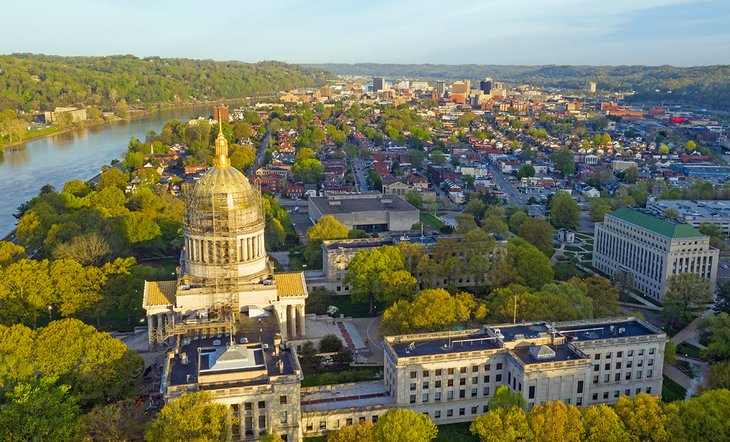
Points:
x=134, y=160
x=16, y=355
x=516, y=220
x=87, y=249
x=327, y=227
x=564, y=211
x=716, y=330
x=39, y=410
x=602, y=424
x=531, y=264
x=193, y=416
x=598, y=209
x=555, y=422
x=526, y=171
x=688, y=289
x=563, y=161
x=539, y=233
x=404, y=425
x=10, y=253
x=361, y=432
x=644, y=417
x=77, y=288
x=438, y=158
x=26, y=291
x=690, y=147
x=502, y=425
x=506, y=399
x=117, y=422
x=703, y=418
x=308, y=170
x=415, y=198
x=722, y=302
x=430, y=310
x=379, y=275
x=719, y=375
x=663, y=149
x=139, y=228
x=631, y=175
x=670, y=352
x=604, y=295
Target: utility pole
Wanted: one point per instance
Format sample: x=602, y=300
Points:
x=514, y=315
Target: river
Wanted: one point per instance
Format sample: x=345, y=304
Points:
x=72, y=155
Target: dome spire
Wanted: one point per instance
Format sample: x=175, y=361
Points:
x=221, y=148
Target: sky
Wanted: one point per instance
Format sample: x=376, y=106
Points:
x=524, y=32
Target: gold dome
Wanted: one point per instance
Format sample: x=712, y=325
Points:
x=223, y=199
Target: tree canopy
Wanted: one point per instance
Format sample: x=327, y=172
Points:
x=193, y=416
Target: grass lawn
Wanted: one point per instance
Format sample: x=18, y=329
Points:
x=42, y=132
x=352, y=374
x=431, y=220
x=316, y=439
x=165, y=268
x=573, y=248
x=672, y=391
x=686, y=368
x=455, y=433
x=352, y=309
x=689, y=350
x=296, y=262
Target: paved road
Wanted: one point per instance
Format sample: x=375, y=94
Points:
x=506, y=186
x=360, y=177
x=260, y=155
x=369, y=328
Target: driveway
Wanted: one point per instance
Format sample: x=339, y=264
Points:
x=369, y=328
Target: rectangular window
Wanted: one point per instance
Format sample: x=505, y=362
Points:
x=462, y=381
x=348, y=421
x=648, y=390
x=475, y=369
x=248, y=406
x=595, y=379
x=605, y=395
x=499, y=378
x=262, y=405
x=449, y=412
x=628, y=375
x=413, y=386
x=474, y=392
x=618, y=366
x=509, y=377
x=336, y=423
x=437, y=414
x=641, y=352
x=438, y=372
x=413, y=399
x=474, y=410
x=596, y=367
x=475, y=380
x=462, y=411
x=607, y=366
x=282, y=400
x=486, y=379
x=579, y=402
x=374, y=419
x=617, y=377
x=462, y=394
x=595, y=396
x=580, y=387
x=488, y=367
x=499, y=366
x=608, y=355
x=462, y=370
x=449, y=395
x=425, y=397
x=531, y=392
x=437, y=384
x=425, y=373
x=627, y=392
x=638, y=374
x=425, y=385
x=486, y=391
x=616, y=393
x=631, y=353
x=606, y=377
x=651, y=351
x=413, y=375
x=619, y=354
x=262, y=422
x=283, y=417
x=450, y=383
x=451, y=371
x=437, y=396
x=597, y=356
x=649, y=373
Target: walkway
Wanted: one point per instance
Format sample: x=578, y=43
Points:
x=675, y=374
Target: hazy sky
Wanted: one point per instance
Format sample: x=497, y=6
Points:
x=677, y=32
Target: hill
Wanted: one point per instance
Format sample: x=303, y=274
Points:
x=32, y=82
x=707, y=86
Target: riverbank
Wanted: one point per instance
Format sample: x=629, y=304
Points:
x=137, y=115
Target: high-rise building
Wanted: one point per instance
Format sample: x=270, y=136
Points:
x=592, y=87
x=378, y=84
x=441, y=87
x=461, y=87
x=649, y=249
x=486, y=85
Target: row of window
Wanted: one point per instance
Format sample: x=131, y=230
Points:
x=627, y=376
x=617, y=393
x=452, y=371
x=425, y=397
x=335, y=424
x=425, y=385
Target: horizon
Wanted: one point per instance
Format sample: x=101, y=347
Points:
x=679, y=33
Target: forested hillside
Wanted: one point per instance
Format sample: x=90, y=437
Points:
x=701, y=85
x=31, y=82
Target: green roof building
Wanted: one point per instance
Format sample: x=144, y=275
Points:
x=648, y=249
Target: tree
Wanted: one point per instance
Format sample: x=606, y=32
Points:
x=716, y=329
x=563, y=161
x=77, y=288
x=604, y=295
x=531, y=264
x=361, y=432
x=690, y=147
x=643, y=417
x=330, y=344
x=39, y=410
x=564, y=211
x=502, y=425
x=605, y=140
x=270, y=437
x=88, y=249
x=326, y=228
x=379, y=274
x=719, y=375
x=598, y=209
x=16, y=354
x=118, y=422
x=516, y=220
x=703, y=418
x=663, y=149
x=139, y=228
x=555, y=422
x=526, y=171
x=631, y=175
x=722, y=303
x=688, y=289
x=25, y=291
x=506, y=399
x=438, y=158
x=98, y=368
x=465, y=222
x=10, y=253
x=192, y=416
x=400, y=424
x=539, y=233
x=670, y=352
x=308, y=170
x=431, y=310
x=415, y=198
x=602, y=424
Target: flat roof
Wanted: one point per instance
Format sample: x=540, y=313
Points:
x=660, y=226
x=520, y=332
x=607, y=330
x=709, y=209
x=455, y=344
x=359, y=394
x=562, y=353
x=332, y=205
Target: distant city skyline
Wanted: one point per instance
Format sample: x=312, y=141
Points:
x=522, y=32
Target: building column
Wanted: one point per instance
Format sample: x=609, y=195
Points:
x=151, y=340
x=300, y=320
x=289, y=322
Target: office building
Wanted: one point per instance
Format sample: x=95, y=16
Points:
x=371, y=212
x=650, y=249
x=592, y=87
x=378, y=84
x=220, y=113
x=486, y=86
x=462, y=87
x=695, y=212
x=441, y=87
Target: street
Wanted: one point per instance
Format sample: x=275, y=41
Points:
x=360, y=179
x=260, y=154
x=506, y=186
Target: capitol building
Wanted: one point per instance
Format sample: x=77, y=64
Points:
x=231, y=326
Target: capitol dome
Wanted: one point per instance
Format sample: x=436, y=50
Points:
x=224, y=225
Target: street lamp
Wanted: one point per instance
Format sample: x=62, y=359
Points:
x=50, y=308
